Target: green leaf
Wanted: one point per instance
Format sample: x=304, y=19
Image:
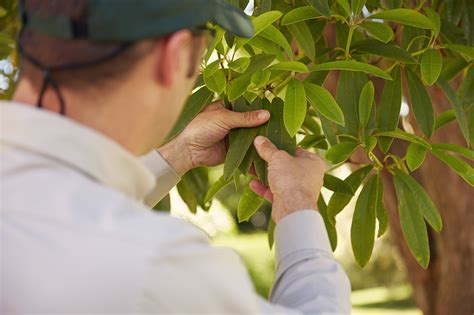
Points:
x=303, y=36
x=341, y=152
x=338, y=201
x=466, y=89
x=381, y=210
x=193, y=188
x=217, y=40
x=323, y=102
x=266, y=45
x=444, y=118
x=349, y=87
x=467, y=51
x=271, y=233
x=412, y=223
x=295, y=106
x=458, y=107
x=240, y=141
x=415, y=156
x=370, y=142
x=352, y=65
x=246, y=163
x=421, y=103
x=462, y=168
x=260, y=78
x=314, y=141
x=390, y=104
x=248, y=204
x=344, y=4
x=435, y=19
x=366, y=102
x=379, y=31
x=272, y=33
x=290, y=66
x=261, y=169
x=216, y=81
x=423, y=201
x=299, y=15
x=215, y=188
x=455, y=149
x=321, y=6
x=276, y=130
x=266, y=19
x=337, y=185
x=240, y=65
x=357, y=6
x=389, y=50
x=452, y=66
x=238, y=87
x=431, y=65
x=363, y=222
x=211, y=68
x=330, y=228
x=406, y=17
x=329, y=129
x=404, y=136
x=191, y=109
x=260, y=62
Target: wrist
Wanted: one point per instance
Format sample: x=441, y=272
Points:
x=285, y=205
x=176, y=156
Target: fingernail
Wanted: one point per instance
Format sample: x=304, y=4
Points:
x=259, y=140
x=263, y=115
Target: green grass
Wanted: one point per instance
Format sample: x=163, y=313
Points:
x=259, y=260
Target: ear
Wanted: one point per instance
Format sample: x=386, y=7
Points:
x=173, y=53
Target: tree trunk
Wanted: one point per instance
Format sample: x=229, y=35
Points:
x=447, y=286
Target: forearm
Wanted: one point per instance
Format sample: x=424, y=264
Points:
x=308, y=278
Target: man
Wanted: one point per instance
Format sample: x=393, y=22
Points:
x=102, y=84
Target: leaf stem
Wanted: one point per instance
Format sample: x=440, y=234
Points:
x=349, y=41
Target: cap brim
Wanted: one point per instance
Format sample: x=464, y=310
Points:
x=232, y=19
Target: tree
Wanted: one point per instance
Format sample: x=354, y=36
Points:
x=334, y=75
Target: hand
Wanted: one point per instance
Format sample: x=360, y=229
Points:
x=202, y=142
x=295, y=181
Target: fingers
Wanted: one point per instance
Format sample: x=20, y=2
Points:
x=245, y=120
x=265, y=148
x=261, y=190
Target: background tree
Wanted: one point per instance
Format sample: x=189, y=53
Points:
x=334, y=75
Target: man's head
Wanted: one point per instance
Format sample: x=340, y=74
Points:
x=136, y=94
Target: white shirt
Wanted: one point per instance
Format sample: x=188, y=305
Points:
x=78, y=237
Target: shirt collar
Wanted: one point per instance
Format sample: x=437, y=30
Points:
x=75, y=146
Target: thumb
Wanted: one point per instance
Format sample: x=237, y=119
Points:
x=265, y=148
x=245, y=119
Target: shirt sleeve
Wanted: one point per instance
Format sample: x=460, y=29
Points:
x=202, y=279
x=166, y=177
x=308, y=278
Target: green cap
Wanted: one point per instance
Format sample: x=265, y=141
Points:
x=128, y=21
